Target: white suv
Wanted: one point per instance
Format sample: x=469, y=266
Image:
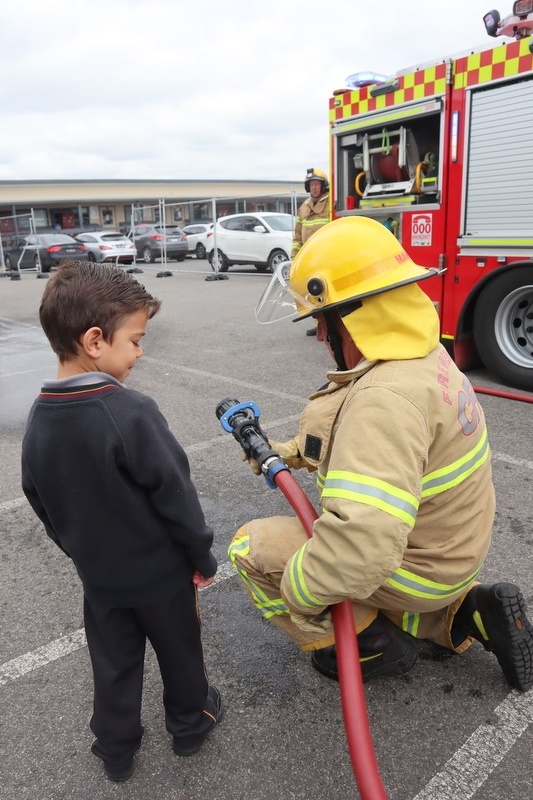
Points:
x=262, y=239
x=197, y=235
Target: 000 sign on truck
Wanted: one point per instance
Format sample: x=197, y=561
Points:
x=442, y=155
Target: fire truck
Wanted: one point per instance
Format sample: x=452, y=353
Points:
x=441, y=154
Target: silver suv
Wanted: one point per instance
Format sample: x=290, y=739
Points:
x=261, y=239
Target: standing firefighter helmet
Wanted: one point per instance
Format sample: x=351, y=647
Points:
x=346, y=260
x=315, y=174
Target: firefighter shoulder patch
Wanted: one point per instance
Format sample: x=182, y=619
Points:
x=313, y=446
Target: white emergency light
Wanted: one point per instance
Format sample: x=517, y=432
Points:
x=360, y=79
x=522, y=8
x=519, y=24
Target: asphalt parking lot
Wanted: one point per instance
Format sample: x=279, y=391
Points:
x=450, y=729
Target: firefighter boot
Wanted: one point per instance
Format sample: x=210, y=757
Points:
x=495, y=615
x=384, y=651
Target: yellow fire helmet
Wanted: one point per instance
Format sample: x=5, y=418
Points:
x=353, y=264
x=347, y=260
x=315, y=174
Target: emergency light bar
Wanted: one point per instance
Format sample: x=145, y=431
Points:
x=360, y=79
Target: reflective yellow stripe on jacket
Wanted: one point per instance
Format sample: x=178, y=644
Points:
x=311, y=222
x=371, y=492
x=269, y=607
x=456, y=473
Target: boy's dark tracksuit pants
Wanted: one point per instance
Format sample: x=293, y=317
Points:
x=116, y=638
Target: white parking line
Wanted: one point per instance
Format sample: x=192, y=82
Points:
x=472, y=764
x=41, y=656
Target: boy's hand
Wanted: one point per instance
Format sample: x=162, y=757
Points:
x=200, y=581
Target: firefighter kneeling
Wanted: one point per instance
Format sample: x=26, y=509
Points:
x=399, y=444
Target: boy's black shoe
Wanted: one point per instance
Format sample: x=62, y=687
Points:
x=119, y=773
x=310, y=332
x=495, y=615
x=188, y=746
x=121, y=770
x=384, y=651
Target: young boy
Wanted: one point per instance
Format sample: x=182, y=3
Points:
x=112, y=487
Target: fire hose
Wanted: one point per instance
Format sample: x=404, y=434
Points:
x=242, y=420
x=524, y=398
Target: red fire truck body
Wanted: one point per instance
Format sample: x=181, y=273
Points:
x=442, y=154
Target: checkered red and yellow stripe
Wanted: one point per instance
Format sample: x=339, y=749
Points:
x=500, y=62
x=417, y=85
x=504, y=61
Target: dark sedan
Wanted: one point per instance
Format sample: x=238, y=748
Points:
x=43, y=251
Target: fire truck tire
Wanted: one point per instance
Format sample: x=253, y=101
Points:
x=503, y=327
x=220, y=263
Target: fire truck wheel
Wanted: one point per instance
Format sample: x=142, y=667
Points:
x=503, y=327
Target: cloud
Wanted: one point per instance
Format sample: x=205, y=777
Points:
x=126, y=89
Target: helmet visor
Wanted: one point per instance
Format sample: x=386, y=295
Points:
x=276, y=302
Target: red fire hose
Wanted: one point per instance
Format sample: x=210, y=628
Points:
x=524, y=398
x=350, y=680
x=241, y=419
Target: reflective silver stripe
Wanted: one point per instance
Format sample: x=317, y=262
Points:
x=297, y=581
x=372, y=491
x=442, y=479
x=410, y=622
x=415, y=586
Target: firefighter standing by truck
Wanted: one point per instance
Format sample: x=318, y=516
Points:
x=313, y=214
x=399, y=444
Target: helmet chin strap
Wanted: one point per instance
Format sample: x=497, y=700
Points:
x=334, y=339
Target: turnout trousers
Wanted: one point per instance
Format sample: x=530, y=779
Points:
x=116, y=639
x=261, y=549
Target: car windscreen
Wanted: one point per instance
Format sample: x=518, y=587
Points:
x=113, y=237
x=170, y=230
x=281, y=222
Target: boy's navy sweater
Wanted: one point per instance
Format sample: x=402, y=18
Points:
x=112, y=487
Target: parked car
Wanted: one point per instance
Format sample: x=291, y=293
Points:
x=197, y=236
x=47, y=248
x=152, y=240
x=262, y=239
x=108, y=246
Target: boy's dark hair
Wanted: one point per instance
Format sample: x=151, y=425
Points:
x=83, y=295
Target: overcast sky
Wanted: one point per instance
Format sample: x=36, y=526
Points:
x=200, y=90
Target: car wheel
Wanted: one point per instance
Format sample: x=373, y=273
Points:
x=91, y=256
x=276, y=257
x=200, y=251
x=180, y=258
x=148, y=256
x=218, y=261
x=502, y=327
x=40, y=266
